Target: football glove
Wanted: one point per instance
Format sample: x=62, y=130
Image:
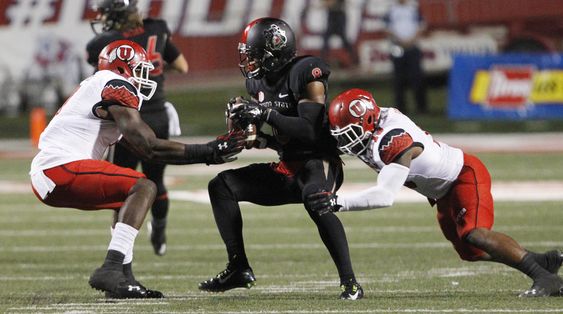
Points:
x=243, y=112
x=323, y=202
x=226, y=146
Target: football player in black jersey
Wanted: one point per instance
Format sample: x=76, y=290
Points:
x=120, y=19
x=289, y=94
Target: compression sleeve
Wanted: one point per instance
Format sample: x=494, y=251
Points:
x=390, y=180
x=304, y=127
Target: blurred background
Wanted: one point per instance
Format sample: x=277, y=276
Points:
x=490, y=65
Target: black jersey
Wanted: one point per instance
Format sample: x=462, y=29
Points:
x=154, y=36
x=283, y=96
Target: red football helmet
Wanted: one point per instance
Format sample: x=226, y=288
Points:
x=130, y=60
x=353, y=117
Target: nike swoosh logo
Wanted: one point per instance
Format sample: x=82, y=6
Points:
x=223, y=280
x=355, y=295
x=282, y=95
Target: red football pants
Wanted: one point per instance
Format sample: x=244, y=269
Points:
x=90, y=185
x=468, y=205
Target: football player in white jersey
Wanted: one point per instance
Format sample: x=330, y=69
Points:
x=69, y=171
x=456, y=182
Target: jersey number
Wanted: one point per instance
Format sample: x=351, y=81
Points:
x=154, y=56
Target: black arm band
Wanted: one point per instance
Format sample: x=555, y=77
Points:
x=197, y=153
x=305, y=127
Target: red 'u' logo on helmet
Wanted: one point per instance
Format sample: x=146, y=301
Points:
x=125, y=52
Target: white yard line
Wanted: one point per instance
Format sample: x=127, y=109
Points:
x=502, y=191
x=262, y=247
x=49, y=232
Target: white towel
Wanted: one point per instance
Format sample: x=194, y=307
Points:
x=173, y=120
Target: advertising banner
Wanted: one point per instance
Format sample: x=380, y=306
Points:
x=507, y=87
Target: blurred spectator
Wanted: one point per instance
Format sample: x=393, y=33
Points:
x=336, y=25
x=405, y=25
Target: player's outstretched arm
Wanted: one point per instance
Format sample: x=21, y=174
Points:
x=140, y=139
x=390, y=180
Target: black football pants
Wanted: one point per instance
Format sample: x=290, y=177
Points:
x=260, y=184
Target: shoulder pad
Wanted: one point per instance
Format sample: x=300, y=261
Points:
x=121, y=92
x=393, y=144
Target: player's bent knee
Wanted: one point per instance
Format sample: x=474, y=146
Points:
x=146, y=186
x=477, y=237
x=218, y=186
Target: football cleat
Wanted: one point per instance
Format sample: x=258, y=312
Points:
x=112, y=281
x=107, y=278
x=228, y=279
x=157, y=237
x=554, y=261
x=149, y=294
x=351, y=291
x=548, y=286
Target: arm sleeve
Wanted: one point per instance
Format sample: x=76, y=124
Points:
x=305, y=127
x=390, y=180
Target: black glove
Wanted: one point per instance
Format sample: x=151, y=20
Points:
x=323, y=202
x=226, y=146
x=243, y=112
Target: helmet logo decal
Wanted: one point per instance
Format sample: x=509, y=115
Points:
x=125, y=53
x=317, y=72
x=359, y=107
x=275, y=37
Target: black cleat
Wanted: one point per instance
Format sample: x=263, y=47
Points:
x=548, y=286
x=149, y=294
x=554, y=260
x=157, y=237
x=128, y=272
x=351, y=291
x=107, y=279
x=114, y=282
x=229, y=279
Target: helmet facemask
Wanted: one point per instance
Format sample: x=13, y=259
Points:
x=250, y=66
x=353, y=116
x=352, y=139
x=140, y=79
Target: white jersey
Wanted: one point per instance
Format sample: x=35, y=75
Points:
x=76, y=132
x=432, y=172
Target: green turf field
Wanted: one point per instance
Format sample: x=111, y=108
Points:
x=399, y=255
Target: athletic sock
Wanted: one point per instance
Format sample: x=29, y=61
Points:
x=123, y=238
x=129, y=256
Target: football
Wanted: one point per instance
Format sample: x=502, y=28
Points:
x=250, y=131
